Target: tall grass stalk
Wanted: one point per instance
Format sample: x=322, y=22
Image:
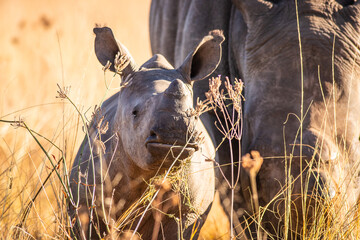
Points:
x=21, y=123
x=303, y=193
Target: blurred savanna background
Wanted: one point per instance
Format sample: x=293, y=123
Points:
x=45, y=43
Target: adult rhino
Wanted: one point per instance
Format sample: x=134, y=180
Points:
x=299, y=61
x=139, y=133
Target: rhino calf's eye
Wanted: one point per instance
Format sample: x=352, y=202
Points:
x=134, y=113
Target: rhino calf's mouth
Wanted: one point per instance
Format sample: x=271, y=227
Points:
x=171, y=151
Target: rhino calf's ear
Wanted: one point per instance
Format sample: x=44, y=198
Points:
x=206, y=57
x=107, y=48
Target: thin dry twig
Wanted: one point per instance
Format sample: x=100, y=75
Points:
x=229, y=124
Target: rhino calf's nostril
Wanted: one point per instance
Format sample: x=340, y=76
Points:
x=153, y=137
x=153, y=134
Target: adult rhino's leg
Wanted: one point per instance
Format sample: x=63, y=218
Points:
x=165, y=24
x=174, y=34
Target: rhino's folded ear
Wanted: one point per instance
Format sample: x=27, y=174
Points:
x=107, y=49
x=203, y=61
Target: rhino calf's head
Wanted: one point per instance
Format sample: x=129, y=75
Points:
x=155, y=103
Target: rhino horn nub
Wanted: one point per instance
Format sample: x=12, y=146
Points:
x=176, y=89
x=107, y=49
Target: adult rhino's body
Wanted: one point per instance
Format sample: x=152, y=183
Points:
x=151, y=124
x=320, y=82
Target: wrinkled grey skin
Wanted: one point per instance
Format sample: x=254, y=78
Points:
x=262, y=48
x=148, y=116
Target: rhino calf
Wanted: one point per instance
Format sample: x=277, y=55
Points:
x=138, y=133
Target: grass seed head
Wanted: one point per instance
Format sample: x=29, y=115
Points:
x=120, y=62
x=252, y=164
x=235, y=92
x=63, y=92
x=214, y=93
x=107, y=66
